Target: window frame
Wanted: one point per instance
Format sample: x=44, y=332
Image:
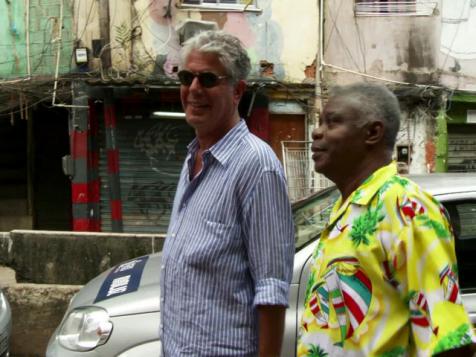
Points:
x=220, y=7
x=455, y=200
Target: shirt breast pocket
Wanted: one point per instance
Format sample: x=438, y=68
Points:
x=211, y=243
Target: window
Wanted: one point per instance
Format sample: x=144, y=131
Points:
x=311, y=216
x=463, y=220
x=395, y=8
x=230, y=5
x=471, y=116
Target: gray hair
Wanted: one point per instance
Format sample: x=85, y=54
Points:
x=377, y=103
x=228, y=49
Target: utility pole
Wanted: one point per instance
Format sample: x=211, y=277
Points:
x=104, y=32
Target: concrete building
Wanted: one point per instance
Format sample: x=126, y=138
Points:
x=36, y=41
x=127, y=150
x=80, y=82
x=87, y=89
x=424, y=50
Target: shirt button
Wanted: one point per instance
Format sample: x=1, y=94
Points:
x=162, y=267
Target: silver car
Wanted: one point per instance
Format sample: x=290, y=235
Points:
x=117, y=313
x=5, y=325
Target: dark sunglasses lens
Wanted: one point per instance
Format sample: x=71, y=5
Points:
x=208, y=79
x=186, y=77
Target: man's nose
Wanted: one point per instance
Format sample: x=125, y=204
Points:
x=317, y=133
x=195, y=85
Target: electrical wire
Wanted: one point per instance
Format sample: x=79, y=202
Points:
x=87, y=20
x=362, y=47
x=8, y=110
x=139, y=18
x=169, y=36
x=331, y=31
x=453, y=40
x=324, y=64
x=339, y=34
x=109, y=45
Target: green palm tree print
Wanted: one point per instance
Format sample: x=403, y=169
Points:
x=366, y=224
x=316, y=351
x=460, y=337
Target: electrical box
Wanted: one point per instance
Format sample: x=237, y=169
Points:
x=404, y=153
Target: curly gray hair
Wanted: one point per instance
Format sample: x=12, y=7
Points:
x=228, y=48
x=378, y=103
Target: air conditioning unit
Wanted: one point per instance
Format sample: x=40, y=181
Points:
x=190, y=28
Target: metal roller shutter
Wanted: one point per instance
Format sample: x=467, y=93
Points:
x=462, y=148
x=151, y=154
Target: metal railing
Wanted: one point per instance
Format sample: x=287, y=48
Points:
x=299, y=170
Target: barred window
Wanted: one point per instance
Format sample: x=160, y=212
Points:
x=238, y=5
x=395, y=8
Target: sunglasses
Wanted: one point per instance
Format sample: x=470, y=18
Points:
x=206, y=79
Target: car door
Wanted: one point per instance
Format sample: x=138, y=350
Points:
x=461, y=208
x=310, y=217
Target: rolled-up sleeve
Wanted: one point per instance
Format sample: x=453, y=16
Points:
x=269, y=238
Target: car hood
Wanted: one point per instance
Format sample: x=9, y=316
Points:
x=123, y=290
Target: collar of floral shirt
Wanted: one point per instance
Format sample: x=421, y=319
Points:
x=365, y=192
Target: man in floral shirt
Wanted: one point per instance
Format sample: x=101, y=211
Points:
x=384, y=276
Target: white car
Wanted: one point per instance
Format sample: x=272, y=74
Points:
x=5, y=325
x=117, y=313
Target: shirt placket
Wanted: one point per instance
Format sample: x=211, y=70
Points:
x=190, y=188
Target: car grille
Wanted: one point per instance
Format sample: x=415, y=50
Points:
x=3, y=343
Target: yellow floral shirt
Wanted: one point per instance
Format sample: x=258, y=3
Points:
x=384, y=278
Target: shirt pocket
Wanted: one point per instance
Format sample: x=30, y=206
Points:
x=210, y=244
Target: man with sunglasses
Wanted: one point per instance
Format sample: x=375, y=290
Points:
x=228, y=255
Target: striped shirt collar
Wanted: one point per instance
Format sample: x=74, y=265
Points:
x=223, y=148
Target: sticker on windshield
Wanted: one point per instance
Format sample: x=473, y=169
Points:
x=123, y=279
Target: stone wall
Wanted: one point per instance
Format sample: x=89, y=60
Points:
x=50, y=268
x=54, y=257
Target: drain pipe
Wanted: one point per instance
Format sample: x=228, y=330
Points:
x=28, y=60
x=321, y=39
x=442, y=137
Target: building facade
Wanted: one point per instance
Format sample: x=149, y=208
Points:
x=92, y=129
x=424, y=51
x=128, y=134
x=36, y=41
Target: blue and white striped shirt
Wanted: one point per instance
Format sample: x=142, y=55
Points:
x=229, y=248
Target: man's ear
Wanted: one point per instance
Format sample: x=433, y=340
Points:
x=238, y=90
x=374, y=132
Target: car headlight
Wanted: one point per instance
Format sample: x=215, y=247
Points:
x=85, y=328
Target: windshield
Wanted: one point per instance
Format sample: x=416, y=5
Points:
x=311, y=216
